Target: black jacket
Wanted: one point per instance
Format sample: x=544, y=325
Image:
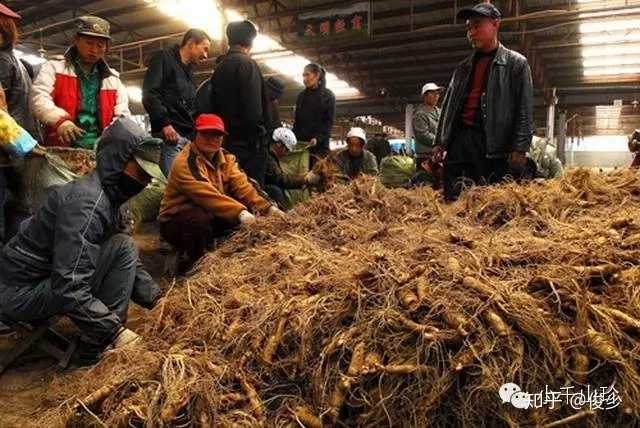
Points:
x=239, y=96
x=62, y=240
x=169, y=93
x=381, y=148
x=506, y=105
x=315, y=109
x=277, y=177
x=16, y=82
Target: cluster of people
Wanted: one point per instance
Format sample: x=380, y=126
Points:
x=218, y=148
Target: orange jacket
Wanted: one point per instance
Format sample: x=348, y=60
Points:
x=219, y=186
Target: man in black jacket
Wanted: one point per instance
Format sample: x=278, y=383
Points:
x=486, y=124
x=169, y=93
x=239, y=97
x=70, y=257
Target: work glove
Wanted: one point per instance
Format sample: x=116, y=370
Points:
x=69, y=132
x=246, y=218
x=312, y=179
x=273, y=210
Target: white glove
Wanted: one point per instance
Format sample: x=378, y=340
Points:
x=276, y=211
x=312, y=179
x=68, y=132
x=125, y=337
x=245, y=218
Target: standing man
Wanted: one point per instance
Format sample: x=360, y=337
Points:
x=487, y=115
x=425, y=125
x=239, y=98
x=169, y=93
x=76, y=97
x=379, y=146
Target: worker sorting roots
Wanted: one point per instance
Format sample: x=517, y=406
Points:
x=70, y=258
x=207, y=194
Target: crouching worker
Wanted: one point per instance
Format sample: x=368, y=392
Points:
x=70, y=259
x=284, y=141
x=355, y=160
x=207, y=195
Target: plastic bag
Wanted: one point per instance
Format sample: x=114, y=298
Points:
x=397, y=171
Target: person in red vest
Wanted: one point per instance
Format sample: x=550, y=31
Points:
x=79, y=95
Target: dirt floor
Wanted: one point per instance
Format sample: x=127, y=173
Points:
x=23, y=387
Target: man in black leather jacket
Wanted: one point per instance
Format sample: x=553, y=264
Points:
x=486, y=125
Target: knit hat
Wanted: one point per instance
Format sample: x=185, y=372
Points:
x=241, y=33
x=275, y=88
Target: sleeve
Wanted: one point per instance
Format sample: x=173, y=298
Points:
x=78, y=236
x=7, y=75
x=203, y=193
x=443, y=113
x=422, y=129
x=523, y=130
x=122, y=102
x=277, y=177
x=327, y=117
x=44, y=109
x=370, y=166
x=243, y=190
x=251, y=95
x=296, y=117
x=152, y=91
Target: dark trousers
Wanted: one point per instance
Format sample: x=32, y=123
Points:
x=467, y=164
x=277, y=194
x=193, y=231
x=432, y=177
x=320, y=151
x=251, y=156
x=118, y=278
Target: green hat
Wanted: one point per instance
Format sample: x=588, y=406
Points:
x=93, y=26
x=148, y=157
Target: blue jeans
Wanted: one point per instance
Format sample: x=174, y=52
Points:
x=169, y=153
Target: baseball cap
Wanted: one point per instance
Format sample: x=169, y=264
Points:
x=93, y=26
x=210, y=122
x=430, y=87
x=486, y=10
x=148, y=155
x=4, y=10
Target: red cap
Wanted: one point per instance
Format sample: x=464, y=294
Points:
x=4, y=10
x=210, y=122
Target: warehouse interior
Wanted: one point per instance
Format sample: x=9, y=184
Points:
x=582, y=53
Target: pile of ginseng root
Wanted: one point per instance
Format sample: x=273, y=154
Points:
x=377, y=307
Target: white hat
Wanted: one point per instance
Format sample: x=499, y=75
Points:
x=359, y=133
x=430, y=87
x=286, y=137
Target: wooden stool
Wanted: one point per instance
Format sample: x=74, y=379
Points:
x=41, y=336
